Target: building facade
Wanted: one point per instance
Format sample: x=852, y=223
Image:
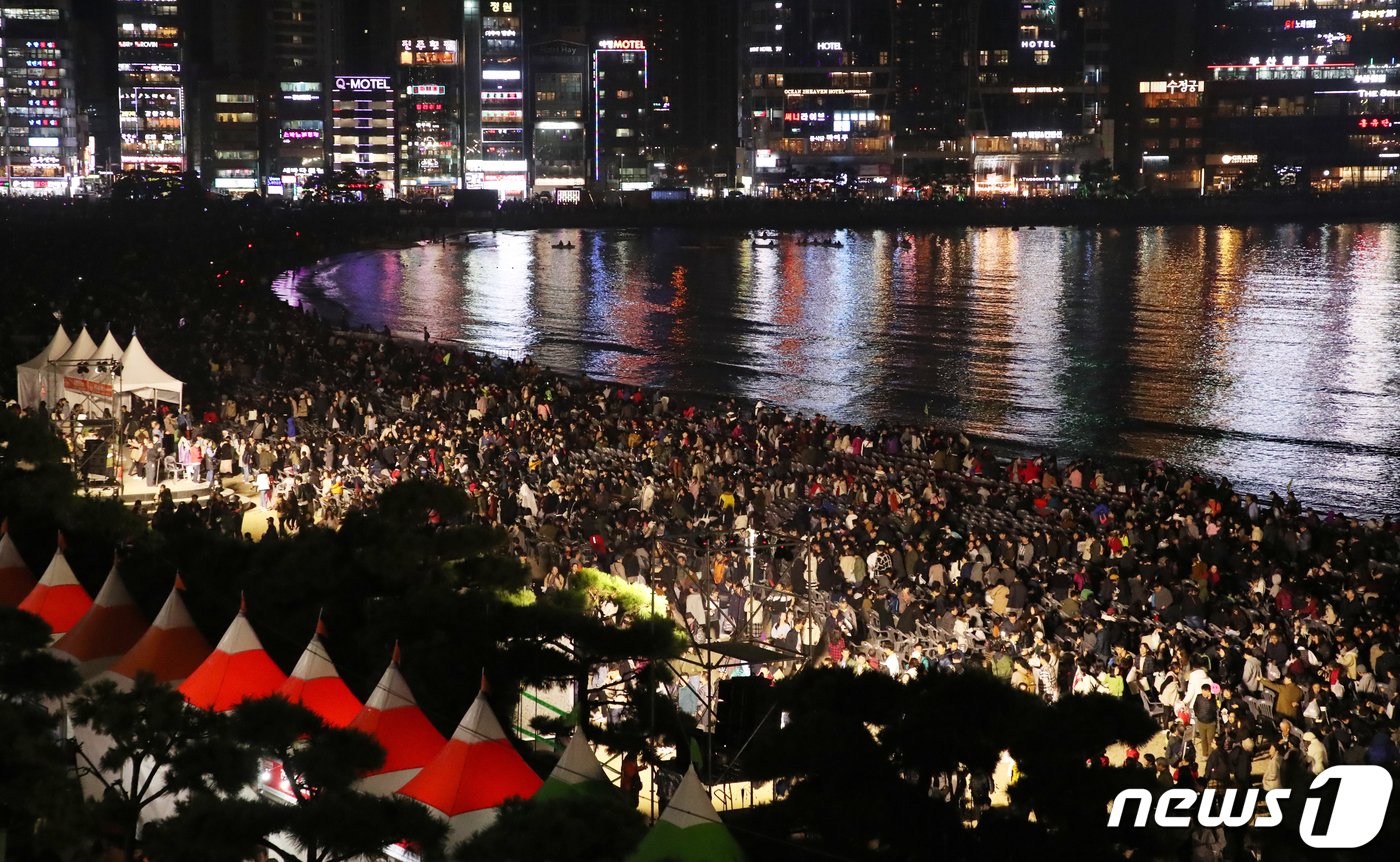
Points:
x=40, y=142
x=364, y=119
x=1037, y=94
x=231, y=136
x=558, y=85
x=816, y=95
x=150, y=86
x=1170, y=127
x=301, y=44
x=1303, y=94
x=430, y=114
x=495, y=70
x=620, y=114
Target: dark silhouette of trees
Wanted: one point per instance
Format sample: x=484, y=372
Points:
x=38, y=796
x=868, y=763
x=566, y=829
x=327, y=819
x=143, y=735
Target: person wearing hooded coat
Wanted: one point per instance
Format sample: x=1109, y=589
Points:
x=1315, y=752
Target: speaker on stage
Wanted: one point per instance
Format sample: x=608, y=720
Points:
x=95, y=458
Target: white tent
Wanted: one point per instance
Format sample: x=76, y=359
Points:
x=108, y=349
x=35, y=382
x=71, y=384
x=82, y=348
x=143, y=378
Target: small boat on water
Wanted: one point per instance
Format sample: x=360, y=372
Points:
x=769, y=244
x=562, y=245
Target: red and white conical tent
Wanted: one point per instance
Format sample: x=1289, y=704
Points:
x=58, y=599
x=238, y=669
x=392, y=717
x=473, y=774
x=171, y=648
x=110, y=627
x=316, y=684
x=16, y=581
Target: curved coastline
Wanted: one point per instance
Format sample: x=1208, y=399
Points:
x=1237, y=209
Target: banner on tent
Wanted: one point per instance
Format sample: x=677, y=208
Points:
x=87, y=387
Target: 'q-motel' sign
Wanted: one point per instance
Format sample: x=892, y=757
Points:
x=361, y=84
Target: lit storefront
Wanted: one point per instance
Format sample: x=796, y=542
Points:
x=299, y=135
x=1329, y=125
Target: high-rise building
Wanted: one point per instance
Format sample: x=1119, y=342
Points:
x=931, y=42
x=694, y=83
x=39, y=139
x=150, y=86
x=1037, y=79
x=816, y=94
x=363, y=123
x=692, y=78
x=495, y=134
x=619, y=116
x=1301, y=94
x=559, y=106
x=230, y=136
x=301, y=48
x=430, y=112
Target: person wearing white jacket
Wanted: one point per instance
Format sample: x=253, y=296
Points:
x=1315, y=752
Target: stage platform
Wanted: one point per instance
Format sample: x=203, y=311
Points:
x=134, y=488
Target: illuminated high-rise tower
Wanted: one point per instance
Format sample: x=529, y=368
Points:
x=494, y=53
x=150, y=86
x=39, y=137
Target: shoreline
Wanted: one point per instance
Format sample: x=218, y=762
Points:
x=748, y=214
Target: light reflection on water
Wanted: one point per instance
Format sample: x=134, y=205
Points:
x=1268, y=354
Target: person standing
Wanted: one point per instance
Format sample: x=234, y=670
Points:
x=1207, y=713
x=264, y=485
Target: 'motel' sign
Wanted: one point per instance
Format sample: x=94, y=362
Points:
x=361, y=84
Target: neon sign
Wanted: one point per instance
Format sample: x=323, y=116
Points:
x=622, y=45
x=1377, y=123
x=1172, y=86
x=361, y=84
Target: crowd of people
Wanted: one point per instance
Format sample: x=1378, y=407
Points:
x=1253, y=627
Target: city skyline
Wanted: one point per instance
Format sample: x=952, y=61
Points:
x=868, y=97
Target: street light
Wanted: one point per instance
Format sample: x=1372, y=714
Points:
x=903, y=181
